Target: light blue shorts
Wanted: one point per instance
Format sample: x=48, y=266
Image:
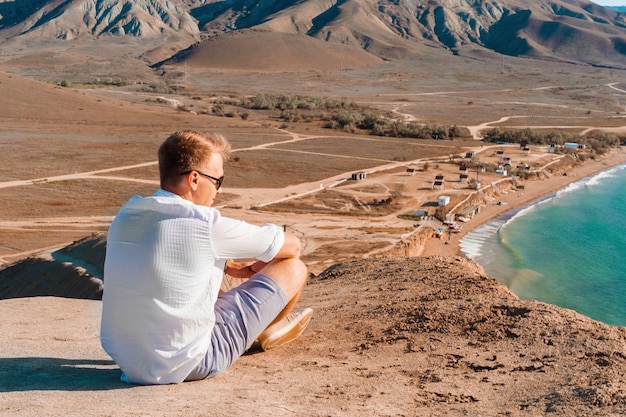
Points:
x=241, y=314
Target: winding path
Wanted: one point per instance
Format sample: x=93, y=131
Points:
x=266, y=197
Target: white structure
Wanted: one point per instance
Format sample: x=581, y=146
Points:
x=444, y=200
x=419, y=213
x=573, y=145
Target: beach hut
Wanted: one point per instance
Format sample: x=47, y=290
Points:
x=438, y=185
x=358, y=176
x=573, y=145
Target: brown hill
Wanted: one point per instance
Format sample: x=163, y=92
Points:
x=412, y=336
x=565, y=30
x=272, y=51
x=570, y=30
x=26, y=102
x=23, y=98
x=68, y=20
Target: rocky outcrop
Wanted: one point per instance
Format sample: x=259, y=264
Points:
x=571, y=30
x=71, y=19
x=75, y=271
x=568, y=30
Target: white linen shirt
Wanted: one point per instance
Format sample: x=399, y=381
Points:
x=164, y=265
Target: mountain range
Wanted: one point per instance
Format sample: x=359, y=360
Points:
x=576, y=31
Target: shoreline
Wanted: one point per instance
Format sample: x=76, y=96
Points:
x=534, y=191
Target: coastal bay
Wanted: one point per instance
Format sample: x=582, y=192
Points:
x=577, y=283
x=534, y=190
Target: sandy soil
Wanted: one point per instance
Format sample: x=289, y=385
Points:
x=394, y=333
x=390, y=337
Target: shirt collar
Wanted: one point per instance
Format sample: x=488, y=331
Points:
x=164, y=193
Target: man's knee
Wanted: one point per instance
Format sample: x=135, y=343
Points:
x=290, y=274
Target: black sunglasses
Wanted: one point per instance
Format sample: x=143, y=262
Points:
x=218, y=181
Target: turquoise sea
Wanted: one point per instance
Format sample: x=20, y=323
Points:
x=566, y=249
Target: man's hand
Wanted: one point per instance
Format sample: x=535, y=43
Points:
x=243, y=269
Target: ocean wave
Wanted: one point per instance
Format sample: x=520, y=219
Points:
x=473, y=243
x=609, y=173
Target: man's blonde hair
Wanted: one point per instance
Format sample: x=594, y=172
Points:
x=187, y=150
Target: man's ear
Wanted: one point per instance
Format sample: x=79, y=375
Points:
x=193, y=180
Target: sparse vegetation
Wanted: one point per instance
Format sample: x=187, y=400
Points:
x=96, y=83
x=340, y=114
x=288, y=102
x=416, y=130
x=598, y=143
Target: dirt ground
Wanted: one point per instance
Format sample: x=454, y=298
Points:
x=424, y=336
x=399, y=329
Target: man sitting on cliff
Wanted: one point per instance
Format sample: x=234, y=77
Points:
x=163, y=317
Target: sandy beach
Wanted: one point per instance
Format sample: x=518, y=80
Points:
x=533, y=191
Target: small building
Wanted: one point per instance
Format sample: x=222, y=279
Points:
x=573, y=145
x=444, y=200
x=501, y=171
x=439, y=182
x=358, y=176
x=468, y=213
x=470, y=154
x=463, y=177
x=419, y=213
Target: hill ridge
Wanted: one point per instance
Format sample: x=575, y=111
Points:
x=568, y=30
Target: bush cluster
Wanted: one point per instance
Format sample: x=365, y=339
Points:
x=597, y=142
x=284, y=102
x=97, y=82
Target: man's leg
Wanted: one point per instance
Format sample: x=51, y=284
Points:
x=241, y=314
x=291, y=275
